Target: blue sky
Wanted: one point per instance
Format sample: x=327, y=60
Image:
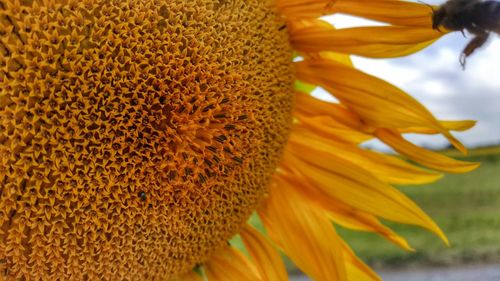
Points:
x=435, y=78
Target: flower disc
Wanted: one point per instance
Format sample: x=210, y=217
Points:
x=135, y=136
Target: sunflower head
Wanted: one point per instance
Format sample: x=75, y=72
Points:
x=136, y=136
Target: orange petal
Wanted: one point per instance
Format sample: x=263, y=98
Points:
x=377, y=102
x=395, y=12
x=304, y=234
x=357, y=270
x=340, y=213
x=310, y=106
x=460, y=126
x=355, y=186
x=266, y=259
x=387, y=168
x=329, y=129
x=338, y=57
x=423, y=156
x=390, y=11
x=375, y=42
x=229, y=264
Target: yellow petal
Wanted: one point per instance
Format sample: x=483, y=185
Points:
x=304, y=234
x=387, y=168
x=460, y=126
x=355, y=186
x=390, y=11
x=377, y=102
x=228, y=264
x=266, y=259
x=340, y=213
x=329, y=128
x=395, y=12
x=311, y=106
x=338, y=57
x=357, y=270
x=423, y=156
x=375, y=42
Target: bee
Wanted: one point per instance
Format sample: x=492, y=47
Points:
x=479, y=18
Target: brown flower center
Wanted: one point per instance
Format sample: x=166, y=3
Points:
x=135, y=136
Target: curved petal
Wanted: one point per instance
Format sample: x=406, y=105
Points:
x=356, y=187
x=377, y=102
x=389, y=169
x=394, y=12
x=266, y=259
x=340, y=213
x=357, y=270
x=228, y=264
x=304, y=234
x=459, y=126
x=310, y=106
x=423, y=156
x=375, y=42
x=330, y=129
x=390, y=11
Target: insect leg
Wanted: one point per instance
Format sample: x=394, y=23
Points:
x=475, y=43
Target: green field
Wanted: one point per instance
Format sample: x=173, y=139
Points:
x=466, y=206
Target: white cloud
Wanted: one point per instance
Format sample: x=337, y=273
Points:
x=484, y=65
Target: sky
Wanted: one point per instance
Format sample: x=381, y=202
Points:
x=435, y=78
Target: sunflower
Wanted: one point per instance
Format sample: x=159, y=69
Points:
x=137, y=137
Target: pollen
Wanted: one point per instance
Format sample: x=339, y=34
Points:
x=136, y=137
